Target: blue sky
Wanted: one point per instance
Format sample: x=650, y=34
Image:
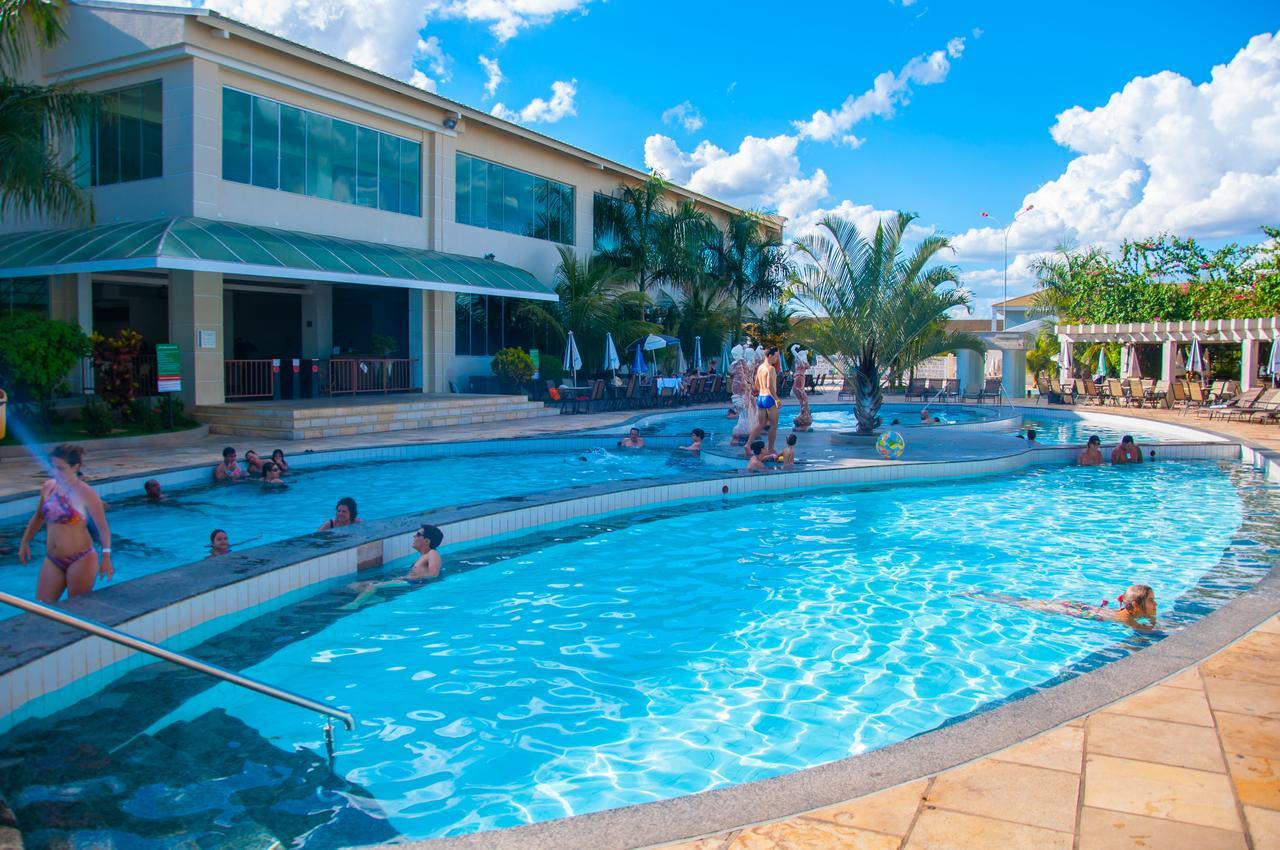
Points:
x=965, y=120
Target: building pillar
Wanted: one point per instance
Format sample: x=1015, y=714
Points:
x=969, y=370
x=1248, y=364
x=195, y=316
x=419, y=307
x=1013, y=372
x=317, y=321
x=1168, y=361
x=438, y=335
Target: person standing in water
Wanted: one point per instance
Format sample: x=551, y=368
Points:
x=767, y=401
x=66, y=505
x=804, y=419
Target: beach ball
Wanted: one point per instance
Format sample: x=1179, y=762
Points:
x=891, y=445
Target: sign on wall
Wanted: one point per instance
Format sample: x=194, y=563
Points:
x=533, y=355
x=168, y=369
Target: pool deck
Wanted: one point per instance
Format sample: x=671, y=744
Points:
x=1192, y=762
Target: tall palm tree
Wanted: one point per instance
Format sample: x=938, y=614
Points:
x=36, y=175
x=594, y=300
x=1060, y=276
x=701, y=310
x=751, y=266
x=875, y=308
x=683, y=236
x=635, y=222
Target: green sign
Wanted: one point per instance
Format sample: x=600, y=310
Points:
x=168, y=369
x=533, y=355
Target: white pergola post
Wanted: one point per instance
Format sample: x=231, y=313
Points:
x=1168, y=356
x=1248, y=364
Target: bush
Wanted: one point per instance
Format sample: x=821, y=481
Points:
x=96, y=418
x=113, y=359
x=36, y=356
x=145, y=416
x=513, y=365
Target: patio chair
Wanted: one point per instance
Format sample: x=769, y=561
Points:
x=1088, y=390
x=1065, y=394
x=990, y=389
x=1195, y=397
x=1266, y=408
x=666, y=397
x=917, y=388
x=951, y=389
x=1043, y=390
x=628, y=400
x=1137, y=393
x=846, y=391
x=1224, y=410
x=1116, y=392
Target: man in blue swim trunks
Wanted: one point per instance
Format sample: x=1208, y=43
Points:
x=767, y=401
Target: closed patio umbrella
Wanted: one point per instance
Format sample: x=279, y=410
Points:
x=1273, y=364
x=726, y=358
x=1133, y=369
x=681, y=365
x=572, y=359
x=1195, y=361
x=611, y=360
x=697, y=353
x=1179, y=364
x=640, y=367
x=1101, y=371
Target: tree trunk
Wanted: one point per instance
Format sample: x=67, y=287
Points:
x=867, y=398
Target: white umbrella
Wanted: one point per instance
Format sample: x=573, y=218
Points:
x=1273, y=365
x=1179, y=364
x=1195, y=361
x=681, y=365
x=653, y=342
x=697, y=353
x=572, y=359
x=1132, y=368
x=1101, y=371
x=611, y=360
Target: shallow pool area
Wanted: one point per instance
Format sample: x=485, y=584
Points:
x=657, y=653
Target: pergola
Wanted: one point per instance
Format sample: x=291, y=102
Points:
x=1246, y=333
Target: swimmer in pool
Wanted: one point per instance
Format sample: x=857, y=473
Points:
x=271, y=475
x=426, y=568
x=229, y=469
x=1136, y=607
x=756, y=464
x=219, y=543
x=787, y=457
x=1092, y=454
x=344, y=514
x=633, y=440
x=696, y=436
x=153, y=491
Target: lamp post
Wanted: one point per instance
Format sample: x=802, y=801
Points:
x=1028, y=208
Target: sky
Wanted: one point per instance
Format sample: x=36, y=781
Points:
x=1111, y=120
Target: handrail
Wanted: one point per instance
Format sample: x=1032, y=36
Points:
x=103, y=631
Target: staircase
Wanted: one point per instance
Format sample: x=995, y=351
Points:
x=313, y=418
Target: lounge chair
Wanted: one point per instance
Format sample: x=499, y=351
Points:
x=1088, y=390
x=917, y=388
x=1137, y=393
x=1224, y=410
x=950, y=389
x=1195, y=397
x=990, y=389
x=846, y=391
x=1267, y=407
x=1064, y=394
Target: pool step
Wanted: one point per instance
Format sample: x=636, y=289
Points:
x=310, y=419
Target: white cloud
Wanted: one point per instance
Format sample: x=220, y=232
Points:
x=1162, y=154
x=686, y=114
x=544, y=111
x=493, y=76
x=422, y=81
x=887, y=92
x=507, y=17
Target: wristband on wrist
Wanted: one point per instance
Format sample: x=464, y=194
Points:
x=106, y=550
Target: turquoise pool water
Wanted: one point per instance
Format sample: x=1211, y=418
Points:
x=657, y=654
x=147, y=537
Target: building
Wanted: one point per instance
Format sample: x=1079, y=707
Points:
x=261, y=204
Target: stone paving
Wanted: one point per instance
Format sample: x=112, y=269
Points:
x=1192, y=763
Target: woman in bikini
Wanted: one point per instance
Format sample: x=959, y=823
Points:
x=1136, y=607
x=66, y=503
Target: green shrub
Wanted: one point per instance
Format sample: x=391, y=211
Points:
x=145, y=416
x=171, y=409
x=96, y=418
x=36, y=357
x=513, y=365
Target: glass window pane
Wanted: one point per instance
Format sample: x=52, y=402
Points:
x=344, y=162
x=480, y=192
x=266, y=143
x=152, y=130
x=462, y=323
x=367, y=173
x=568, y=221
x=293, y=149
x=410, y=176
x=319, y=155
x=518, y=203
x=541, y=227
x=235, y=135
x=130, y=122
x=109, y=141
x=388, y=173
x=495, y=195
x=495, y=324
x=462, y=189
x=479, y=331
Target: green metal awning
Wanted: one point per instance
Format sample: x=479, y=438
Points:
x=200, y=244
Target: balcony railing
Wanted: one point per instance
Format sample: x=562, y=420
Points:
x=370, y=375
x=250, y=378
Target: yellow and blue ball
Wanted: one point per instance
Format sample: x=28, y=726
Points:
x=891, y=445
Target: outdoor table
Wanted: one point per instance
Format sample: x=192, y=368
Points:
x=673, y=383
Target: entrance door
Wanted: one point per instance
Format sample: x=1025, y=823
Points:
x=266, y=326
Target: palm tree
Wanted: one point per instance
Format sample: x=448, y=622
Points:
x=593, y=301
x=635, y=224
x=702, y=310
x=36, y=177
x=751, y=266
x=875, y=308
x=774, y=326
x=1060, y=276
x=682, y=239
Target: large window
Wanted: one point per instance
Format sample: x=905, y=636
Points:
x=24, y=295
x=486, y=324
x=604, y=214
x=277, y=146
x=125, y=142
x=501, y=198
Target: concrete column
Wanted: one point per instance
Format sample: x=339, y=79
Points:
x=969, y=370
x=1249, y=364
x=438, y=341
x=1013, y=372
x=419, y=307
x=195, y=305
x=317, y=321
x=71, y=301
x=1168, y=358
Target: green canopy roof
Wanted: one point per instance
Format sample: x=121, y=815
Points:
x=200, y=244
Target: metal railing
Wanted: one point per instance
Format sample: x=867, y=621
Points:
x=93, y=627
x=249, y=378
x=370, y=375
x=144, y=369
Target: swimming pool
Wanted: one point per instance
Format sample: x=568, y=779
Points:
x=589, y=667
x=149, y=537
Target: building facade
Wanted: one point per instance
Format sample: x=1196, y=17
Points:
x=257, y=201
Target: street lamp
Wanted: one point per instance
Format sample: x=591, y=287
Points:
x=1028, y=208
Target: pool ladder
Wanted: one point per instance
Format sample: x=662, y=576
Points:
x=93, y=627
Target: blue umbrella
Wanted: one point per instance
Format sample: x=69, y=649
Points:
x=640, y=367
x=697, y=353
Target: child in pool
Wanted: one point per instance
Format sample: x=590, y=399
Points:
x=696, y=436
x=787, y=457
x=1137, y=603
x=756, y=463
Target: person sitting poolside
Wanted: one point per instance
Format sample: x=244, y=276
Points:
x=271, y=475
x=1136, y=609
x=633, y=440
x=152, y=488
x=229, y=469
x=426, y=567
x=253, y=462
x=219, y=543
x=696, y=436
x=344, y=514
x=1092, y=454
x=1127, y=452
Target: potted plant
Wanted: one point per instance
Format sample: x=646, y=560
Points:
x=514, y=368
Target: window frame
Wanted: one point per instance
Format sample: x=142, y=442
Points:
x=506, y=211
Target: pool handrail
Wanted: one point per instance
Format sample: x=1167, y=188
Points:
x=104, y=631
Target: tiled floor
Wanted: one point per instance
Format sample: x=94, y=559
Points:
x=1192, y=763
